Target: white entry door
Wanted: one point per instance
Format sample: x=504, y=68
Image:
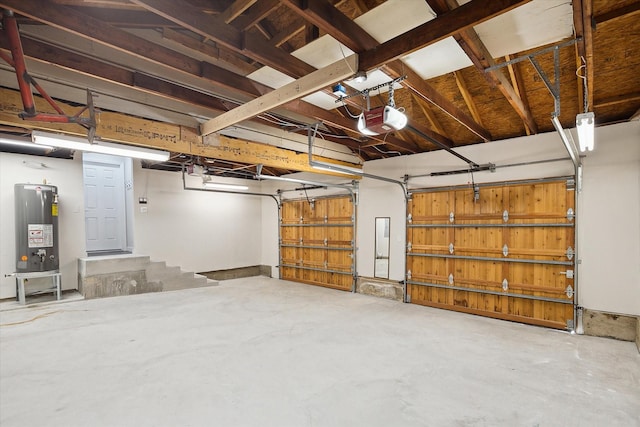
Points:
x=104, y=196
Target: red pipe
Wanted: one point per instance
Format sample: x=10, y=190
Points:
x=11, y=27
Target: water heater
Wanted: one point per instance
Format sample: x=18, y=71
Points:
x=36, y=228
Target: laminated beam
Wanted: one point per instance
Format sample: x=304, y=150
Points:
x=123, y=128
x=306, y=85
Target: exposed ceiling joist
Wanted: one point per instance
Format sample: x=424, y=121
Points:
x=428, y=93
x=236, y=9
x=214, y=28
x=461, y=18
x=255, y=14
x=618, y=13
x=303, y=86
x=582, y=22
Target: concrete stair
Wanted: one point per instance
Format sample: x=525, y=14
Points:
x=115, y=275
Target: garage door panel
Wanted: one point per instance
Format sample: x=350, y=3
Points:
x=505, y=254
x=319, y=233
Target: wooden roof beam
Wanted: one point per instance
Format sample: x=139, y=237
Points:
x=255, y=14
x=477, y=51
x=618, y=13
x=236, y=9
x=583, y=25
x=463, y=17
x=301, y=87
x=214, y=28
x=428, y=93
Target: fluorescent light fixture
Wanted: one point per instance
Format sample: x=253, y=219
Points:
x=585, y=123
x=22, y=142
x=221, y=186
x=72, y=143
x=381, y=120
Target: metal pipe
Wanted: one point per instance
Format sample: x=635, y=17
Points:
x=301, y=181
x=487, y=225
x=491, y=167
x=570, y=146
x=493, y=259
x=317, y=224
x=245, y=193
x=11, y=28
x=483, y=291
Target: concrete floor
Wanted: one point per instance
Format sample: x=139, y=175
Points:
x=263, y=352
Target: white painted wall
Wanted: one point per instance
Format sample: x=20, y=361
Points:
x=609, y=222
x=67, y=176
x=196, y=230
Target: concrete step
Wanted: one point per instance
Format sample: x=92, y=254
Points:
x=185, y=280
x=158, y=270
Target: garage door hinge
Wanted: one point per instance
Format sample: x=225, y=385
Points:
x=505, y=250
x=451, y=278
x=505, y=215
x=570, y=253
x=409, y=274
x=409, y=247
x=301, y=219
x=571, y=184
x=409, y=218
x=570, y=214
x=451, y=248
x=505, y=285
x=326, y=242
x=452, y=216
x=569, y=291
x=326, y=219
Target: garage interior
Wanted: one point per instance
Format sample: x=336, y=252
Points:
x=331, y=212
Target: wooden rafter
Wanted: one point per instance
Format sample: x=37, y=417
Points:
x=518, y=85
x=582, y=22
x=340, y=27
x=477, y=51
x=461, y=18
x=236, y=9
x=213, y=27
x=428, y=93
x=303, y=86
x=255, y=14
x=618, y=13
x=435, y=124
x=468, y=99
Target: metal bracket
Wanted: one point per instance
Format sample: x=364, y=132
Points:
x=451, y=278
x=409, y=274
x=409, y=218
x=450, y=248
x=505, y=250
x=505, y=215
x=570, y=253
x=301, y=219
x=568, y=273
x=326, y=219
x=569, y=291
x=326, y=241
x=409, y=247
x=571, y=184
x=570, y=214
x=452, y=216
x=505, y=285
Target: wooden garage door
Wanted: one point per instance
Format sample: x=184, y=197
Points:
x=317, y=242
x=507, y=254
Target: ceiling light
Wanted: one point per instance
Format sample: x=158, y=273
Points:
x=585, y=123
x=221, y=186
x=22, y=142
x=73, y=143
x=381, y=120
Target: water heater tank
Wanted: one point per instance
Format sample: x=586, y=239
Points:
x=36, y=228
